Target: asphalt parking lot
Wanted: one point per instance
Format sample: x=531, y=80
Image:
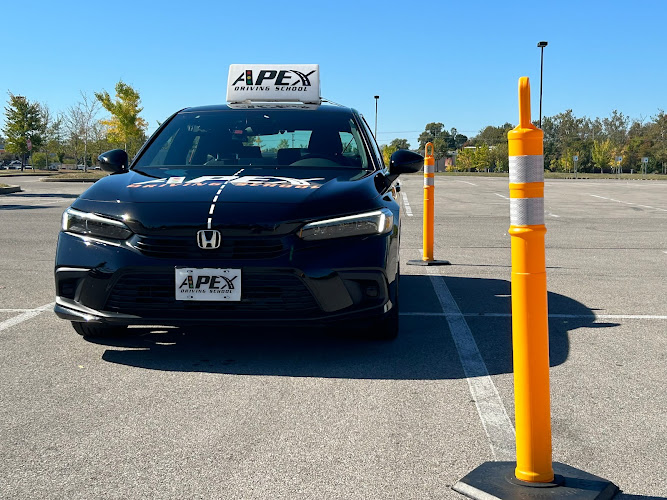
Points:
x=234, y=413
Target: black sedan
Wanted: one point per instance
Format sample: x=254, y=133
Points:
x=254, y=214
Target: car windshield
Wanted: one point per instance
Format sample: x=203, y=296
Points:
x=260, y=138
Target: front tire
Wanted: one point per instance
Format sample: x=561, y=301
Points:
x=93, y=330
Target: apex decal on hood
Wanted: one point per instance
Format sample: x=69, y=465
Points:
x=235, y=180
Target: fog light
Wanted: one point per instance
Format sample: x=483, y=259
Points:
x=372, y=291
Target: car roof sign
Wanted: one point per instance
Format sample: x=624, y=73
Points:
x=274, y=83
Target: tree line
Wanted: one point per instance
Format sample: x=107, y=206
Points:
x=596, y=143
x=33, y=130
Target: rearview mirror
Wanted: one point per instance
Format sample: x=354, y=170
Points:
x=404, y=162
x=114, y=161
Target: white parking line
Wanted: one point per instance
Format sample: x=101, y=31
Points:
x=31, y=313
x=502, y=196
x=406, y=204
x=466, y=182
x=563, y=316
x=628, y=203
x=496, y=422
x=553, y=215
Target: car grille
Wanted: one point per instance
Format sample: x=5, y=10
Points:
x=174, y=247
x=280, y=295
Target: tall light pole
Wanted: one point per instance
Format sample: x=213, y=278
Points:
x=376, y=116
x=541, y=45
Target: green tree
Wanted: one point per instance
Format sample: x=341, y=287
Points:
x=616, y=128
x=482, y=158
x=431, y=131
x=472, y=158
x=79, y=123
x=442, y=140
x=125, y=125
x=499, y=157
x=23, y=125
x=387, y=151
x=658, y=137
x=456, y=140
x=400, y=144
x=465, y=159
x=52, y=135
x=493, y=136
x=602, y=154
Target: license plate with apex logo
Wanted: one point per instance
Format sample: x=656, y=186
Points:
x=208, y=284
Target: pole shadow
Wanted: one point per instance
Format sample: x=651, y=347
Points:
x=424, y=349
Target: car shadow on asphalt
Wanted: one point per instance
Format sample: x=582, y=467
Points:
x=44, y=195
x=24, y=207
x=424, y=349
x=624, y=496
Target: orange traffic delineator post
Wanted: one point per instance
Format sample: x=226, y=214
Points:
x=530, y=322
x=534, y=473
x=429, y=212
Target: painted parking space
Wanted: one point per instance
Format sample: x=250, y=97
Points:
x=295, y=413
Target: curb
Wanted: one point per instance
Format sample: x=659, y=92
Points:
x=28, y=174
x=91, y=179
x=10, y=189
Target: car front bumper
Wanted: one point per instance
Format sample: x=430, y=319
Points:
x=125, y=284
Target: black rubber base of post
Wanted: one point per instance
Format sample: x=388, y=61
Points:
x=496, y=480
x=429, y=263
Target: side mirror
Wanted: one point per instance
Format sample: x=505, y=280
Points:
x=404, y=162
x=114, y=161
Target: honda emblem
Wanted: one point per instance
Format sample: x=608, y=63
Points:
x=209, y=239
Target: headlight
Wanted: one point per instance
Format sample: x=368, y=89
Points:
x=378, y=222
x=94, y=225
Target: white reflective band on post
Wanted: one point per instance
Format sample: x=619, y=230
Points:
x=528, y=168
x=526, y=211
x=429, y=181
x=429, y=169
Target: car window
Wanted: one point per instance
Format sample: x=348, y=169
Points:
x=266, y=137
x=374, y=144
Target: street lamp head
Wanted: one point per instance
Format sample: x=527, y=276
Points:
x=377, y=96
x=542, y=44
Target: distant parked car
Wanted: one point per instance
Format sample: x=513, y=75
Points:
x=14, y=167
x=81, y=167
x=53, y=166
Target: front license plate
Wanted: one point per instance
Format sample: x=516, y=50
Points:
x=208, y=284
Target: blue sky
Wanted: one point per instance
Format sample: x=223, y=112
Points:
x=453, y=62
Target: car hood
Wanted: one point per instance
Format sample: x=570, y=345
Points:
x=262, y=198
